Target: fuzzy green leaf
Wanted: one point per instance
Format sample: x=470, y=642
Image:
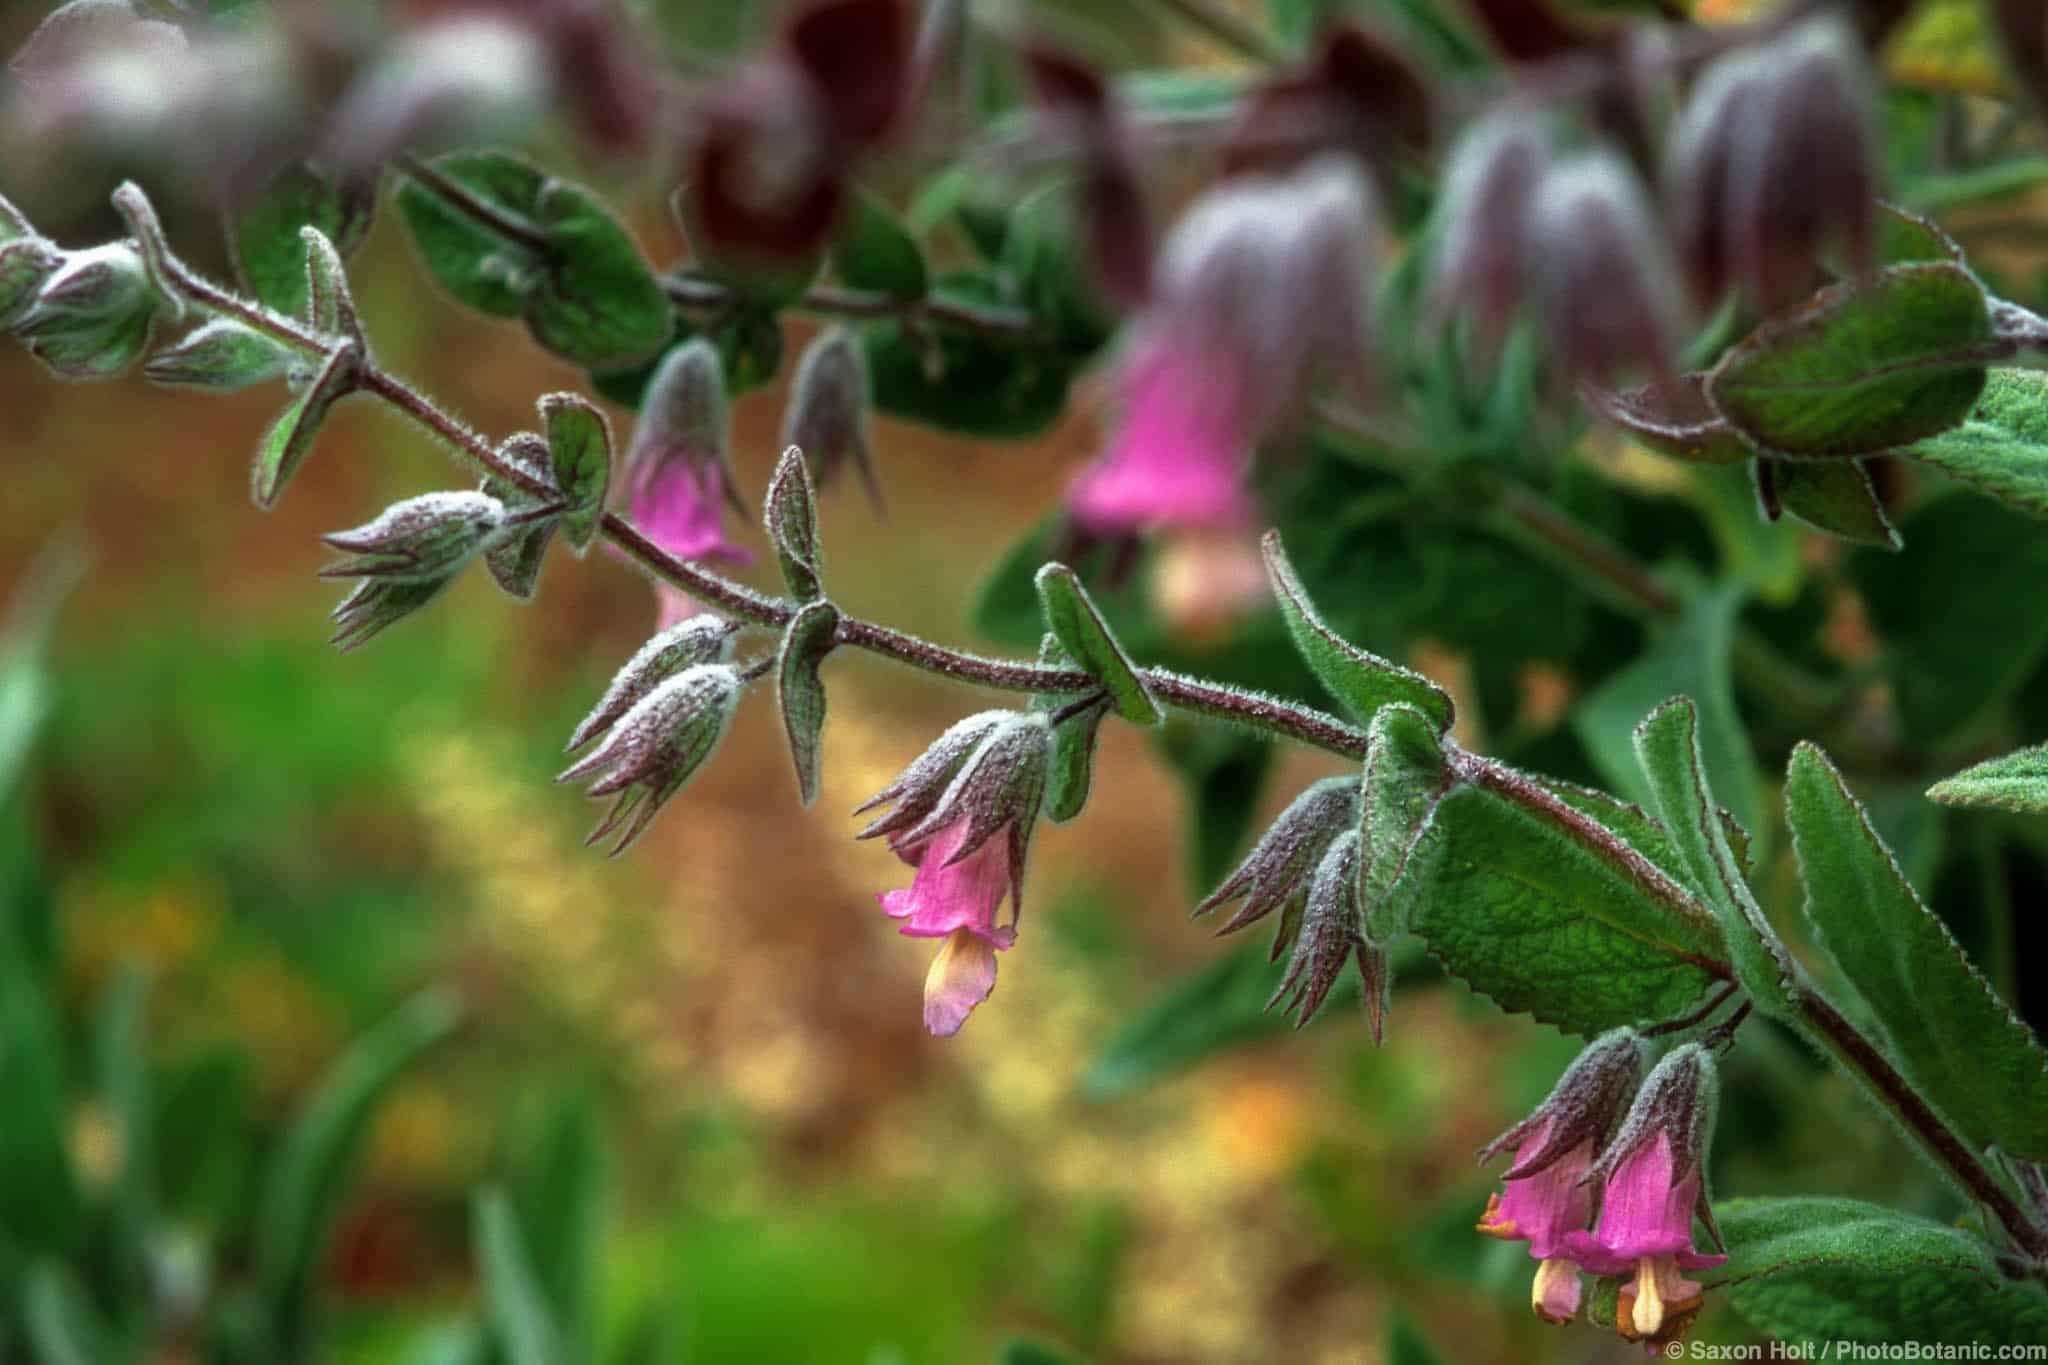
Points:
x=330, y=307
x=1071, y=615
x=580, y=454
x=1507, y=893
x=2016, y=781
x=24, y=265
x=1863, y=368
x=268, y=247
x=874, y=252
x=2001, y=449
x=520, y=1317
x=1960, y=1045
x=569, y=269
x=290, y=438
x=790, y=511
x=304, y=1183
x=1070, y=770
x=1675, y=421
x=1835, y=496
x=1405, y=777
x=221, y=356
x=810, y=637
x=1813, y=1271
x=1362, y=681
x=1668, y=748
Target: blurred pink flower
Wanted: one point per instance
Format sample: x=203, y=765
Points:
x=956, y=899
x=1179, y=453
x=679, y=503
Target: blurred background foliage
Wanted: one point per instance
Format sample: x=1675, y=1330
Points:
x=323, y=1039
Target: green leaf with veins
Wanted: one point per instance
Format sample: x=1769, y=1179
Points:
x=1509, y=897
x=1961, y=1045
x=1863, y=368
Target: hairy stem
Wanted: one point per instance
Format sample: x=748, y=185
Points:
x=1896, y=1093
x=710, y=296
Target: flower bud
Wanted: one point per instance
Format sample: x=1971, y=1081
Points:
x=25, y=263
x=763, y=188
x=1774, y=158
x=1606, y=284
x=1275, y=874
x=221, y=355
x=601, y=68
x=656, y=746
x=1582, y=1108
x=472, y=78
x=421, y=539
x=827, y=413
x=1259, y=291
x=1332, y=931
x=857, y=55
x=94, y=313
x=380, y=602
x=683, y=415
x=1359, y=94
x=1493, y=174
x=998, y=784
x=1078, y=109
x=678, y=483
x=701, y=639
x=917, y=789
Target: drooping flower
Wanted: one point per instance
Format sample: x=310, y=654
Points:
x=1179, y=454
x=963, y=818
x=1652, y=1188
x=957, y=902
x=1544, y=1200
x=1257, y=294
x=677, y=481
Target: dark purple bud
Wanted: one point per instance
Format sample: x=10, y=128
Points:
x=1583, y=1107
x=1526, y=30
x=857, y=54
x=1078, y=110
x=1492, y=177
x=1277, y=870
x=916, y=791
x=766, y=181
x=1331, y=932
x=377, y=603
x=1605, y=279
x=601, y=69
x=1774, y=159
x=827, y=413
x=1358, y=95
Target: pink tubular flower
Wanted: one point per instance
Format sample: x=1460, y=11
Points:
x=1258, y=294
x=1542, y=1210
x=957, y=902
x=1651, y=1192
x=1178, y=457
x=963, y=818
x=676, y=476
x=1544, y=1199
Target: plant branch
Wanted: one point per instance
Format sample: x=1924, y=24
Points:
x=475, y=207
x=824, y=300
x=1868, y=1061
